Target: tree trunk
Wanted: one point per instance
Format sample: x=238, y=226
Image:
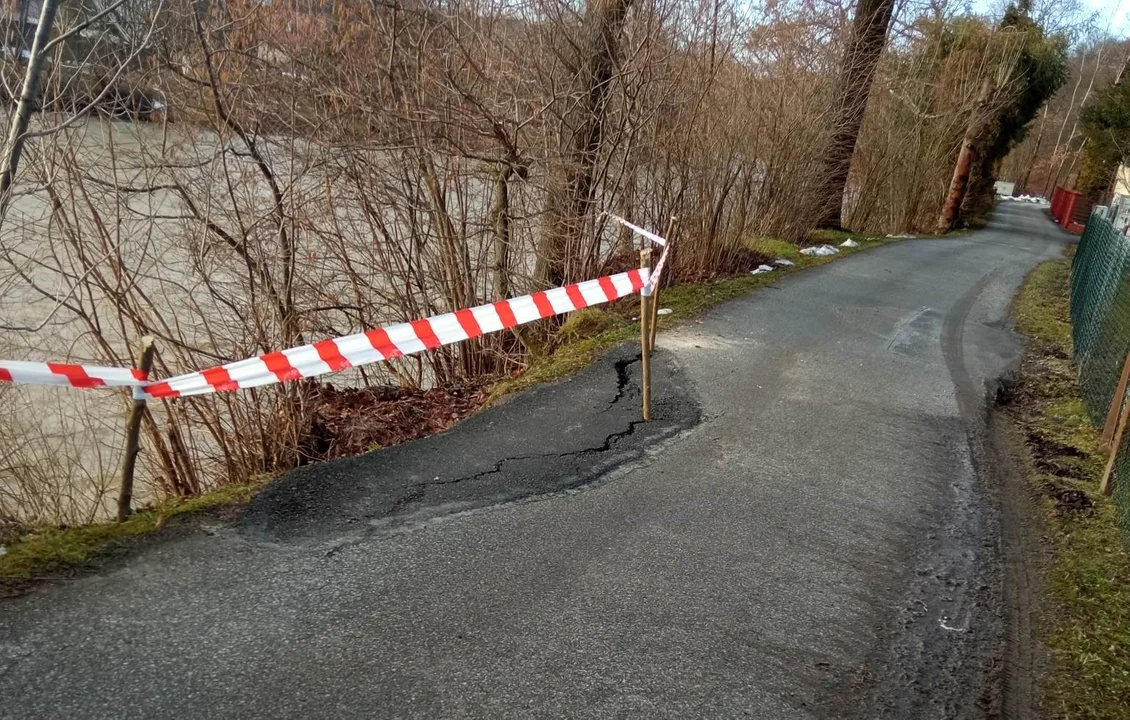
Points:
x=568, y=203
x=966, y=158
x=868, y=37
x=1022, y=184
x=29, y=98
x=500, y=215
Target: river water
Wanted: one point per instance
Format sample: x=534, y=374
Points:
x=97, y=219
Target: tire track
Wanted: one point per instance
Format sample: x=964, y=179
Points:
x=1010, y=686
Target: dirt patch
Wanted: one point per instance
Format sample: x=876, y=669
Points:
x=1044, y=448
x=1069, y=501
x=352, y=421
x=1053, y=457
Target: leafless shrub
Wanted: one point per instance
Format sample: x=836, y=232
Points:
x=321, y=168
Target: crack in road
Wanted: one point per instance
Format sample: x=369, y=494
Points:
x=622, y=380
x=510, y=451
x=419, y=490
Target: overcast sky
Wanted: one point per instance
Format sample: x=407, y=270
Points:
x=1116, y=12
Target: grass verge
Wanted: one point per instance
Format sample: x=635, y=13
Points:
x=1084, y=613
x=42, y=552
x=581, y=339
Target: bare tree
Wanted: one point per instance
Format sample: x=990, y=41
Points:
x=868, y=37
x=593, y=66
x=29, y=98
x=333, y=167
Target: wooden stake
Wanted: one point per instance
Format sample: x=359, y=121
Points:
x=1116, y=403
x=655, y=296
x=645, y=340
x=1106, y=485
x=133, y=429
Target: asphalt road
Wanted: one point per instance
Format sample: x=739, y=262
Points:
x=804, y=532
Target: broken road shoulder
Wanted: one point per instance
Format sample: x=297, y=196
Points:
x=53, y=552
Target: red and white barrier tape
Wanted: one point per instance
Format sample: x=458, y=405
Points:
x=656, y=273
x=653, y=280
x=334, y=354
x=637, y=229
x=79, y=376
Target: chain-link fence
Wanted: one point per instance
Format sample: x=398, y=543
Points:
x=1100, y=320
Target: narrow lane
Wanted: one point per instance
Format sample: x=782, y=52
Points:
x=818, y=545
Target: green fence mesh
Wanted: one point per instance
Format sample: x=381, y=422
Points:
x=1100, y=320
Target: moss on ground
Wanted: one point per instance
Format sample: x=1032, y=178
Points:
x=588, y=323
x=1085, y=611
x=776, y=248
x=1042, y=309
x=829, y=236
x=41, y=552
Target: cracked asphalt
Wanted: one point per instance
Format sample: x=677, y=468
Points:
x=551, y=438
x=807, y=531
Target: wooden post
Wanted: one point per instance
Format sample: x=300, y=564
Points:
x=133, y=430
x=655, y=296
x=1106, y=485
x=645, y=340
x=1116, y=404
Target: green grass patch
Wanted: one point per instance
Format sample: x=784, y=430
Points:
x=836, y=237
x=776, y=248
x=1043, y=304
x=44, y=551
x=589, y=323
x=1084, y=615
x=829, y=237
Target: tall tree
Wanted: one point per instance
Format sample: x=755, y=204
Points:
x=969, y=154
x=868, y=37
x=1003, y=114
x=594, y=62
x=1040, y=70
x=1106, y=132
